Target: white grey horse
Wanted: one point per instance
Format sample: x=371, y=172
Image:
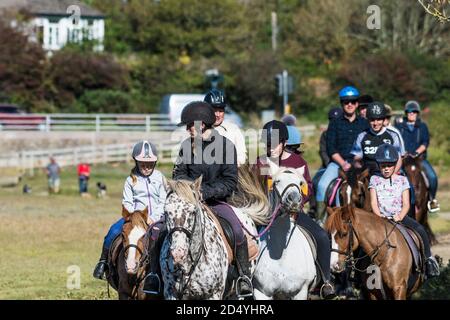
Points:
x=194, y=259
x=285, y=267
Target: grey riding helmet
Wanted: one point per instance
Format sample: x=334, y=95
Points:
x=412, y=106
x=144, y=151
x=386, y=153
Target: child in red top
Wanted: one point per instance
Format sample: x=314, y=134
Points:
x=84, y=171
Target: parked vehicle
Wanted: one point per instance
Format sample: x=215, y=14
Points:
x=173, y=104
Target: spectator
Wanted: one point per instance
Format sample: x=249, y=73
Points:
x=53, y=171
x=84, y=171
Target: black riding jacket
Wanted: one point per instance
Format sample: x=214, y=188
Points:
x=215, y=159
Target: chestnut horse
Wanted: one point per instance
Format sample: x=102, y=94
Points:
x=413, y=169
x=352, y=228
x=355, y=188
x=129, y=257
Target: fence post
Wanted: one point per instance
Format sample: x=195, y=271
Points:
x=147, y=123
x=47, y=123
x=97, y=123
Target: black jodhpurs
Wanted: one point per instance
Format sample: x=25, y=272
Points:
x=413, y=224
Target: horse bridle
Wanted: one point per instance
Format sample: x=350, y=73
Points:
x=277, y=192
x=350, y=260
x=143, y=261
x=189, y=234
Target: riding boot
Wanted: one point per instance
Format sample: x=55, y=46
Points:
x=244, y=287
x=152, y=282
x=321, y=212
x=102, y=264
x=432, y=267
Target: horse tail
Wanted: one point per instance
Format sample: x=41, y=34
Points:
x=250, y=196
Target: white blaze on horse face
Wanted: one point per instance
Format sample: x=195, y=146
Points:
x=349, y=194
x=133, y=238
x=413, y=168
x=334, y=259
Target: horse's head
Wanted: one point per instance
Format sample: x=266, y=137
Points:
x=287, y=186
x=413, y=167
x=343, y=238
x=354, y=187
x=134, y=229
x=182, y=217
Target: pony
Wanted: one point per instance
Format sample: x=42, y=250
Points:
x=352, y=228
x=286, y=267
x=355, y=188
x=194, y=258
x=129, y=256
x=414, y=172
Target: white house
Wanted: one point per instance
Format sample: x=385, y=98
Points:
x=54, y=23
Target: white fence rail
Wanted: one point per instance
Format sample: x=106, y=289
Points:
x=86, y=122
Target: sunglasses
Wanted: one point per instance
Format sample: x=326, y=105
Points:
x=344, y=102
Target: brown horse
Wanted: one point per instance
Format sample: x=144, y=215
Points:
x=390, y=256
x=129, y=257
x=355, y=188
x=413, y=169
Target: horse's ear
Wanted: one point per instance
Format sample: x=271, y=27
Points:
x=197, y=184
x=273, y=167
x=342, y=174
x=300, y=171
x=125, y=213
x=331, y=210
x=169, y=185
x=144, y=212
x=365, y=174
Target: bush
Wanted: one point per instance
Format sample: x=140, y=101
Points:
x=437, y=288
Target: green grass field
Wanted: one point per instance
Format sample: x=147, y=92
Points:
x=41, y=236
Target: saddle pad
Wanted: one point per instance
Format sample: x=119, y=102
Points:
x=413, y=243
x=332, y=192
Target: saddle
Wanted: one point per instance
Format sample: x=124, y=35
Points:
x=332, y=192
x=415, y=244
x=313, y=245
x=226, y=232
x=114, y=250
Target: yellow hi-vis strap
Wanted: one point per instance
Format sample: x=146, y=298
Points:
x=304, y=188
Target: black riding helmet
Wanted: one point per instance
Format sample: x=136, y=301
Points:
x=198, y=111
x=376, y=110
x=273, y=128
x=386, y=153
x=216, y=99
x=364, y=101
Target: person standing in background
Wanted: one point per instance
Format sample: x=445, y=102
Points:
x=53, y=171
x=84, y=171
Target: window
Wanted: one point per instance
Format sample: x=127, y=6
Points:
x=50, y=36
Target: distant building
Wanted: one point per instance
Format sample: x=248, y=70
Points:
x=51, y=24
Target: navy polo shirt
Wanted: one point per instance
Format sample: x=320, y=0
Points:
x=414, y=136
x=342, y=134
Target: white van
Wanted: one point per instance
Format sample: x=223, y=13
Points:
x=173, y=104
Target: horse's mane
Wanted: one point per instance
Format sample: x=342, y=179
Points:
x=184, y=190
x=250, y=196
x=335, y=221
x=352, y=175
x=138, y=220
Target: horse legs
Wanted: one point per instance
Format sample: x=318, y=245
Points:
x=259, y=295
x=399, y=292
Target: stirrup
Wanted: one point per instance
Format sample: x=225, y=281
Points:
x=152, y=291
x=330, y=296
x=248, y=282
x=432, y=210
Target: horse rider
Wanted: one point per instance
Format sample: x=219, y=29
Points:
x=219, y=173
x=416, y=137
x=341, y=134
x=229, y=130
x=277, y=135
x=295, y=137
x=366, y=144
x=144, y=187
x=388, y=124
x=390, y=199
x=363, y=103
